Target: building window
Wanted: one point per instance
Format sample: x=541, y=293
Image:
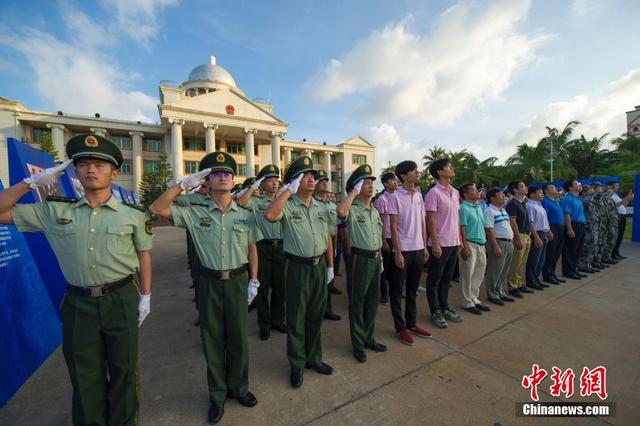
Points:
x=235, y=148
x=334, y=176
x=359, y=159
x=123, y=142
x=295, y=155
x=151, y=166
x=125, y=168
x=242, y=169
x=38, y=135
x=190, y=167
x=315, y=157
x=77, y=132
x=193, y=144
x=333, y=160
x=152, y=145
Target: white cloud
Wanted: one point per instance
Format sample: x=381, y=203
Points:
x=469, y=59
x=390, y=148
x=600, y=114
x=587, y=9
x=79, y=75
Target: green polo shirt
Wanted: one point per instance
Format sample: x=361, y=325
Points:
x=364, y=226
x=330, y=215
x=269, y=230
x=188, y=199
x=221, y=238
x=472, y=218
x=304, y=229
x=94, y=246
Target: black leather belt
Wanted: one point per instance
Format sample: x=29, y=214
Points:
x=268, y=242
x=504, y=239
x=473, y=242
x=222, y=275
x=100, y=290
x=305, y=260
x=374, y=254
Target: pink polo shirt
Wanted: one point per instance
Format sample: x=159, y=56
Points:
x=409, y=208
x=382, y=205
x=446, y=203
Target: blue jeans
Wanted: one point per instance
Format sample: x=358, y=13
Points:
x=535, y=261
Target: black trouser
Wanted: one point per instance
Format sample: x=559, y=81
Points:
x=385, y=277
x=554, y=250
x=573, y=249
x=410, y=277
x=622, y=223
x=439, y=273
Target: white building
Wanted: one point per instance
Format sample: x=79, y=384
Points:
x=633, y=121
x=205, y=113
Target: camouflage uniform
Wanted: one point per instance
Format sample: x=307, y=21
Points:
x=611, y=230
x=591, y=233
x=598, y=205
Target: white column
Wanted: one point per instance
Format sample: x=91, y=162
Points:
x=308, y=153
x=275, y=148
x=248, y=148
x=57, y=137
x=210, y=139
x=99, y=131
x=136, y=160
x=176, y=148
x=327, y=166
x=287, y=156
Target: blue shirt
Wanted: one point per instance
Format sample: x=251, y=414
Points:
x=572, y=206
x=554, y=211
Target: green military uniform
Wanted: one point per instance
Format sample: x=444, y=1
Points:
x=363, y=265
x=611, y=230
x=591, y=232
x=96, y=247
x=332, y=223
x=304, y=232
x=597, y=204
x=221, y=239
x=192, y=257
x=271, y=260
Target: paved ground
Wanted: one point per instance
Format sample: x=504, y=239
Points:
x=469, y=373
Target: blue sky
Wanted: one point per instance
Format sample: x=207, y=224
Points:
x=406, y=75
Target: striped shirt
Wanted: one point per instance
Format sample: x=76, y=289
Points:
x=498, y=220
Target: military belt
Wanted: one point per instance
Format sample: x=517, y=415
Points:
x=268, y=242
x=504, y=239
x=304, y=260
x=374, y=254
x=100, y=290
x=222, y=275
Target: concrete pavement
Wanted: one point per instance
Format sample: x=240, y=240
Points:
x=469, y=373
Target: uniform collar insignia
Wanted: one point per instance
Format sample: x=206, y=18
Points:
x=64, y=221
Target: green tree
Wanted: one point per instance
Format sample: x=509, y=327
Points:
x=154, y=183
x=47, y=146
x=434, y=154
x=586, y=157
x=528, y=163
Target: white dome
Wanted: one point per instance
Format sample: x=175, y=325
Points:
x=211, y=73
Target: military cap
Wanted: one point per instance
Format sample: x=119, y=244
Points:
x=321, y=175
x=362, y=172
x=88, y=145
x=248, y=182
x=301, y=165
x=237, y=187
x=218, y=161
x=269, y=171
x=596, y=183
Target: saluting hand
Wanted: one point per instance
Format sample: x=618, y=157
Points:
x=257, y=183
x=358, y=186
x=195, y=179
x=48, y=176
x=295, y=184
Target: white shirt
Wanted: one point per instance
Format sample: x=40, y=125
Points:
x=621, y=209
x=498, y=220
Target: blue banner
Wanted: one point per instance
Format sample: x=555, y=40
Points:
x=29, y=323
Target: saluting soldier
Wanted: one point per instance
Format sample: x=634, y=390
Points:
x=100, y=244
x=224, y=235
x=321, y=194
x=364, y=262
x=308, y=262
x=270, y=254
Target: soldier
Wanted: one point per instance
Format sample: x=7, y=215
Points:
x=611, y=230
x=364, y=262
x=598, y=207
x=270, y=254
x=592, y=225
x=321, y=194
x=224, y=236
x=308, y=266
x=100, y=244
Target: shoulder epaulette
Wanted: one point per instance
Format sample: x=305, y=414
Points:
x=62, y=199
x=199, y=204
x=135, y=206
x=243, y=207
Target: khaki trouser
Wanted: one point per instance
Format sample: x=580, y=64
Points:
x=471, y=274
x=495, y=281
x=518, y=263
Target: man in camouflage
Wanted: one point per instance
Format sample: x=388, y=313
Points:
x=592, y=230
x=611, y=230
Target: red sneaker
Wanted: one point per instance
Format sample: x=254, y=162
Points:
x=405, y=338
x=419, y=331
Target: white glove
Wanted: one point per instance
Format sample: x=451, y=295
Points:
x=144, y=307
x=48, y=176
x=358, y=186
x=196, y=189
x=241, y=192
x=195, y=179
x=284, y=188
x=330, y=275
x=381, y=266
x=257, y=183
x=252, y=290
x=295, y=184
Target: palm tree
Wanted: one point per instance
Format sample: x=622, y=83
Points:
x=556, y=143
x=434, y=154
x=528, y=163
x=586, y=157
